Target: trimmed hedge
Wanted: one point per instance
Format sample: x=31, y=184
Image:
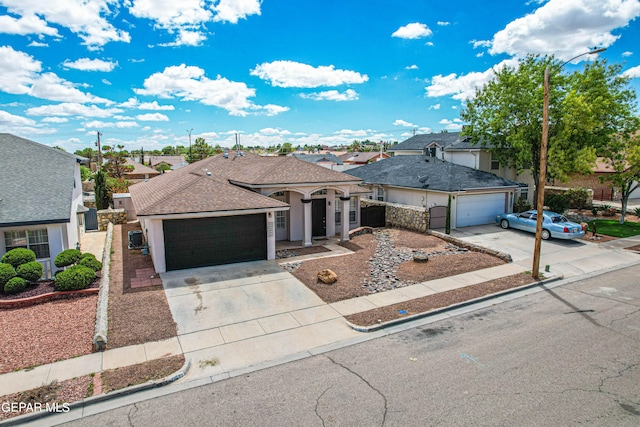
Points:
x=18, y=256
x=87, y=255
x=92, y=263
x=74, y=278
x=31, y=271
x=7, y=272
x=67, y=257
x=15, y=285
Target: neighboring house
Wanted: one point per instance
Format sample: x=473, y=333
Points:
x=596, y=181
x=326, y=160
x=41, y=204
x=173, y=162
x=357, y=158
x=431, y=144
x=419, y=180
x=233, y=207
x=140, y=172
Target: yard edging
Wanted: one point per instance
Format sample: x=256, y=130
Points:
x=40, y=299
x=102, y=314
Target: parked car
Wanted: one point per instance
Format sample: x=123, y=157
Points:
x=553, y=224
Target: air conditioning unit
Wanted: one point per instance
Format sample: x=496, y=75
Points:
x=135, y=239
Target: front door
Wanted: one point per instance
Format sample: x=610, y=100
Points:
x=318, y=217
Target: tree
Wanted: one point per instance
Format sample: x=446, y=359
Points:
x=506, y=115
x=285, y=149
x=168, y=150
x=88, y=153
x=102, y=191
x=85, y=173
x=116, y=161
x=199, y=150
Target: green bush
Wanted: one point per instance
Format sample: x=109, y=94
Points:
x=636, y=211
x=30, y=271
x=74, y=278
x=578, y=198
x=521, y=205
x=87, y=255
x=15, y=285
x=7, y=272
x=18, y=256
x=558, y=203
x=67, y=257
x=90, y=262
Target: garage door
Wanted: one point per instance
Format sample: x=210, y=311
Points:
x=201, y=242
x=479, y=209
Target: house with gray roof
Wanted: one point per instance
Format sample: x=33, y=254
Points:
x=425, y=181
x=40, y=199
x=327, y=160
x=235, y=206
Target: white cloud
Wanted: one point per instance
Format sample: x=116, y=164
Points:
x=434, y=107
x=155, y=106
x=86, y=64
x=565, y=27
x=464, y=86
x=274, y=131
x=454, y=125
x=633, y=72
x=27, y=24
x=152, y=117
x=37, y=44
x=50, y=86
x=404, y=123
x=82, y=17
x=415, y=30
x=332, y=95
x=296, y=74
x=55, y=120
x=68, y=109
x=232, y=10
x=190, y=84
x=411, y=67
x=98, y=124
x=106, y=82
x=18, y=70
x=11, y=119
x=443, y=23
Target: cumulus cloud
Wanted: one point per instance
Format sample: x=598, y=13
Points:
x=332, y=95
x=633, y=72
x=189, y=83
x=152, y=117
x=51, y=87
x=455, y=124
x=68, y=109
x=86, y=64
x=405, y=123
x=444, y=23
x=27, y=24
x=565, y=27
x=296, y=74
x=415, y=30
x=233, y=10
x=411, y=67
x=84, y=18
x=55, y=120
x=11, y=119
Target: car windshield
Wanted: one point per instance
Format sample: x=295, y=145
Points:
x=559, y=218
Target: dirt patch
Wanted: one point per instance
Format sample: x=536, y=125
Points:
x=136, y=315
x=288, y=253
x=137, y=374
x=445, y=266
x=439, y=300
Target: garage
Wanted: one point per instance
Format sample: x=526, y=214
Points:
x=478, y=209
x=201, y=242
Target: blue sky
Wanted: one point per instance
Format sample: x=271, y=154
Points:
x=146, y=72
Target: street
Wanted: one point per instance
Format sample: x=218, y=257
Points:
x=569, y=355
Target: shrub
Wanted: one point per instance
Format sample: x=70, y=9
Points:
x=609, y=212
x=74, y=278
x=30, y=271
x=15, y=285
x=90, y=262
x=67, y=257
x=7, y=272
x=18, y=256
x=521, y=205
x=557, y=202
x=87, y=255
x=636, y=212
x=594, y=211
x=578, y=198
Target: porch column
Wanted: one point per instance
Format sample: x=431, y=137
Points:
x=306, y=222
x=271, y=235
x=344, y=222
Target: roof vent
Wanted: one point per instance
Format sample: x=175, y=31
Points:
x=208, y=173
x=241, y=153
x=225, y=155
x=426, y=160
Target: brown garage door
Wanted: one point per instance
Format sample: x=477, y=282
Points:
x=201, y=242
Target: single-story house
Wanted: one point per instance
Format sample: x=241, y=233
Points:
x=41, y=204
x=327, y=160
x=174, y=162
x=358, y=158
x=233, y=207
x=139, y=172
x=419, y=180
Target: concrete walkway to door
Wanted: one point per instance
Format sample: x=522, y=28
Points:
x=238, y=315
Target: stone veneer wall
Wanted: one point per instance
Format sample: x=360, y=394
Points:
x=113, y=216
x=403, y=216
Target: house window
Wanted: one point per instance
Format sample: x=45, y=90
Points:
x=338, y=211
x=495, y=164
x=353, y=205
x=524, y=193
x=430, y=151
x=36, y=240
x=319, y=192
x=278, y=194
x=280, y=220
x=380, y=196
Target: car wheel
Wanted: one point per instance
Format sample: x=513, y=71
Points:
x=504, y=224
x=545, y=235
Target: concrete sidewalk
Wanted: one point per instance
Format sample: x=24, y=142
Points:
x=221, y=338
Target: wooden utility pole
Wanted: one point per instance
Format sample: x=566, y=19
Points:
x=99, y=152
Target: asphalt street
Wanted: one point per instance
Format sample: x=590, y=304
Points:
x=569, y=355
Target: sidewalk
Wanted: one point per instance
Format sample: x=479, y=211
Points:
x=256, y=342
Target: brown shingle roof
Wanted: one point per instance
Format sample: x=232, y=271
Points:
x=140, y=169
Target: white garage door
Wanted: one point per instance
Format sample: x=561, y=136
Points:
x=479, y=209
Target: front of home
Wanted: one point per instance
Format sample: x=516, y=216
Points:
x=41, y=204
x=233, y=207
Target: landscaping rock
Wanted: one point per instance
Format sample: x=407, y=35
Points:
x=420, y=257
x=327, y=276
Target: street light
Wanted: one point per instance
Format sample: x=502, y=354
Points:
x=542, y=176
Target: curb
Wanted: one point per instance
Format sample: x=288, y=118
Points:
x=103, y=397
x=436, y=311
x=102, y=313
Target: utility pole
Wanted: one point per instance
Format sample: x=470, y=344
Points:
x=190, y=155
x=414, y=130
x=99, y=152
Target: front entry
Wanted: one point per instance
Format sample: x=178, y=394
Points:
x=318, y=217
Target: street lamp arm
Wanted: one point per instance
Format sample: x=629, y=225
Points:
x=591, y=52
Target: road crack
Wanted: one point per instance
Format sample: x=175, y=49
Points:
x=384, y=398
x=318, y=404
x=131, y=413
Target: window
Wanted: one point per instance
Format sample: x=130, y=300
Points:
x=380, y=196
x=430, y=151
x=36, y=240
x=338, y=210
x=278, y=194
x=353, y=205
x=280, y=220
x=319, y=192
x=524, y=193
x=495, y=164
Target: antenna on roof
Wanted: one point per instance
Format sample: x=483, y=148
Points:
x=237, y=144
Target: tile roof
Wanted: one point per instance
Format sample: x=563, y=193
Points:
x=37, y=182
x=205, y=186
x=424, y=172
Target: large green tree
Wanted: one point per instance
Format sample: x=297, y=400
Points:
x=584, y=113
x=199, y=150
x=115, y=161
